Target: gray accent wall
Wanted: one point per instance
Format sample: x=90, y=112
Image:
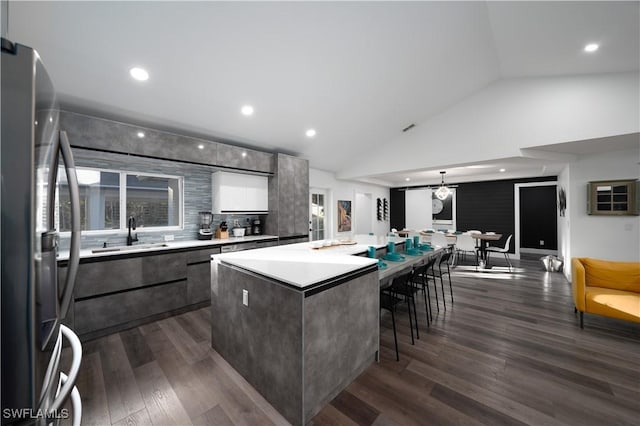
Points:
x=197, y=196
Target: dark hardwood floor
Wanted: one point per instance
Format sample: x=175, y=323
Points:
x=508, y=351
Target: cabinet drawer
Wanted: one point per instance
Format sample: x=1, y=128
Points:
x=198, y=256
x=107, y=311
x=114, y=275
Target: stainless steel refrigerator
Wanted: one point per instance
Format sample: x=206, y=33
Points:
x=34, y=303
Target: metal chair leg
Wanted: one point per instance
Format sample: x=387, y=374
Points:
x=581, y=319
x=442, y=287
x=506, y=256
x=415, y=316
x=450, y=287
x=426, y=306
x=426, y=286
x=413, y=342
x=395, y=337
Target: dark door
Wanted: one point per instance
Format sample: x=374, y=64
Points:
x=538, y=217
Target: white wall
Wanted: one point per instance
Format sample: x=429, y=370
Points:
x=603, y=237
x=346, y=190
x=508, y=115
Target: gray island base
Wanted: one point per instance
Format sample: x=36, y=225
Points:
x=298, y=346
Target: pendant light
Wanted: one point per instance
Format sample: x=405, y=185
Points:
x=443, y=191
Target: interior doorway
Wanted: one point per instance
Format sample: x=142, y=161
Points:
x=364, y=213
x=536, y=218
x=317, y=214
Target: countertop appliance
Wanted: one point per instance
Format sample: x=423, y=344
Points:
x=205, y=232
x=33, y=304
x=257, y=227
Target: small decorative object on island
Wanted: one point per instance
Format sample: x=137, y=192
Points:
x=344, y=215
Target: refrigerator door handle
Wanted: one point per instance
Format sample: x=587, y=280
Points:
x=74, y=249
x=69, y=383
x=76, y=402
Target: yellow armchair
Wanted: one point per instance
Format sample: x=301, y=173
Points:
x=606, y=288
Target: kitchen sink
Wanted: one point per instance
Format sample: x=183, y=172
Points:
x=128, y=248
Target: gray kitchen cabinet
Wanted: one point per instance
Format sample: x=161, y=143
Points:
x=264, y=244
x=295, y=240
x=122, y=274
x=121, y=308
x=291, y=184
x=113, y=294
x=199, y=275
x=245, y=159
x=106, y=135
x=286, y=195
x=301, y=196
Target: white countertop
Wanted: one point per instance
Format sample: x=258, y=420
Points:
x=170, y=245
x=301, y=265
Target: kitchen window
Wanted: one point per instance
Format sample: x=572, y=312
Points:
x=108, y=198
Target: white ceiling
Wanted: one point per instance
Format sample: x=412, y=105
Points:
x=357, y=72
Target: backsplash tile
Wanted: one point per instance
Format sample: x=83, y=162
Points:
x=197, y=196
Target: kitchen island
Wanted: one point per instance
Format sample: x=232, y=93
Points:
x=298, y=323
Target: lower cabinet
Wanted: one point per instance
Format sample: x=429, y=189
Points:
x=122, y=308
x=199, y=275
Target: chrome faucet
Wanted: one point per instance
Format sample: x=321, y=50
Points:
x=132, y=225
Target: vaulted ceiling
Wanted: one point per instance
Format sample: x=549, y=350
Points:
x=357, y=72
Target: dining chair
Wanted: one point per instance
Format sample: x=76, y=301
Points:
x=504, y=250
x=421, y=282
x=465, y=243
x=440, y=273
x=438, y=239
x=401, y=286
x=389, y=302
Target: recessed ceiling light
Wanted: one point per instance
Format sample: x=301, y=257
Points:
x=200, y=146
x=310, y=133
x=141, y=134
x=247, y=110
x=591, y=47
x=244, y=153
x=503, y=170
x=407, y=179
x=139, y=74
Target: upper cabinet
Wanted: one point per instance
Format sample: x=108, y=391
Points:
x=245, y=159
x=111, y=136
x=239, y=193
x=290, y=197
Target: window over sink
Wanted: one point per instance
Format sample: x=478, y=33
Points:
x=109, y=197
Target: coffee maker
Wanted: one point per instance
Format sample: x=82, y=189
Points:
x=257, y=227
x=205, y=232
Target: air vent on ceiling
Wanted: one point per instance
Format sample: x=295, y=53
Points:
x=409, y=127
